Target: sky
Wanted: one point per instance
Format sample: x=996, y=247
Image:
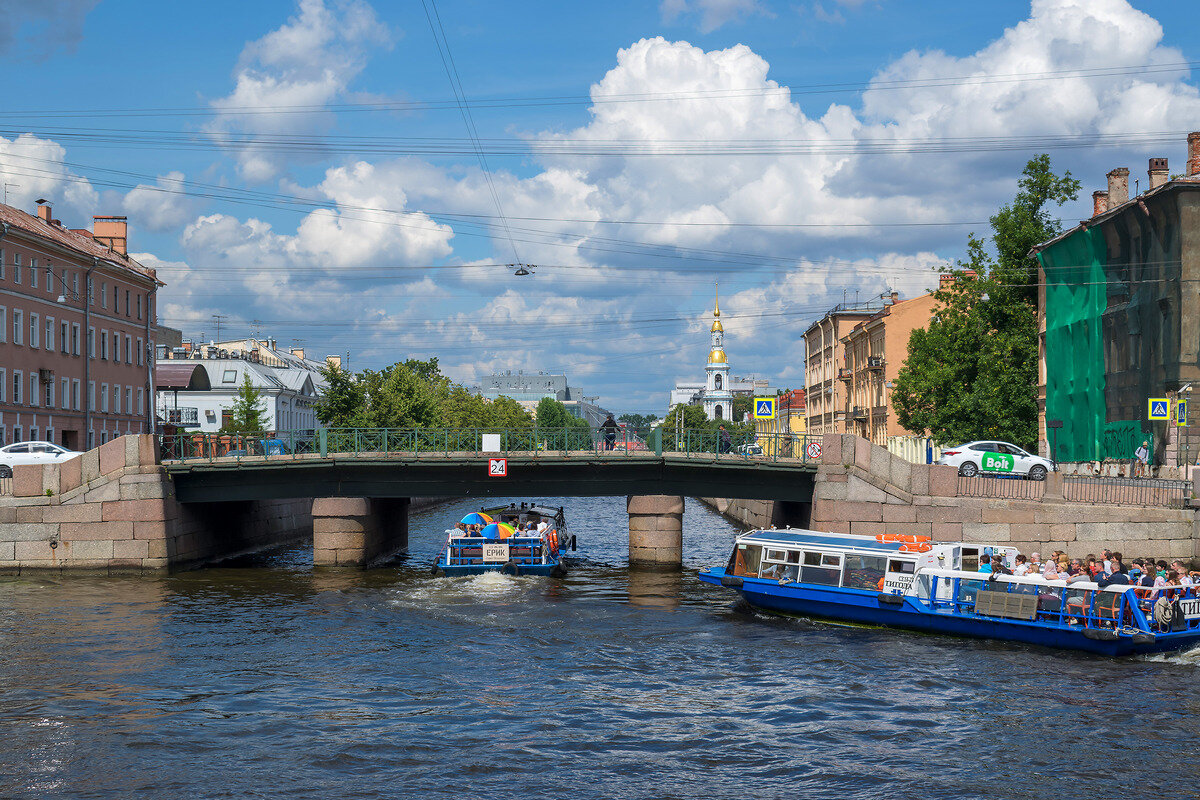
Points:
x=358, y=177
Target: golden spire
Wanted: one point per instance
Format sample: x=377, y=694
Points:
x=717, y=326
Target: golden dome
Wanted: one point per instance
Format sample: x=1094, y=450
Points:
x=716, y=356
x=717, y=326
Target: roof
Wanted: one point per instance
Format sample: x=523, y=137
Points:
x=1191, y=182
x=818, y=538
x=180, y=375
x=85, y=245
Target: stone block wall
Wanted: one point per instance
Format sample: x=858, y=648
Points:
x=113, y=509
x=355, y=531
x=655, y=531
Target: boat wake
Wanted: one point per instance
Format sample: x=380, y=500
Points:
x=1190, y=658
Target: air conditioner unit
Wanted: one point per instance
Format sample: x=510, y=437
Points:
x=46, y=376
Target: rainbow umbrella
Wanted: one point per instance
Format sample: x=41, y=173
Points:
x=476, y=519
x=497, y=530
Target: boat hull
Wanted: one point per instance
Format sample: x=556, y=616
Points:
x=557, y=569
x=852, y=605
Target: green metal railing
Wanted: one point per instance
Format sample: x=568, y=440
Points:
x=326, y=442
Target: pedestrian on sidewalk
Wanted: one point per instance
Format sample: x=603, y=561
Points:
x=1142, y=454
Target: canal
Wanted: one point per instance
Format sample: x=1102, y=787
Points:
x=264, y=679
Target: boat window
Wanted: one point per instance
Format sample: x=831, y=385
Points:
x=746, y=559
x=823, y=569
x=970, y=559
x=793, y=556
x=776, y=555
x=903, y=567
x=863, y=572
x=781, y=565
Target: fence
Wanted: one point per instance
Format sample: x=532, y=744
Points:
x=1127, y=491
x=914, y=449
x=1004, y=486
x=5, y=486
x=422, y=441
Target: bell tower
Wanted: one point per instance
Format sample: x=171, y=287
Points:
x=718, y=397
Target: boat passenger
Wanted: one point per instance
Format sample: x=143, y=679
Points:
x=1050, y=571
x=1093, y=565
x=1115, y=578
x=998, y=567
x=541, y=528
x=1022, y=568
x=1184, y=578
x=985, y=566
x=1035, y=562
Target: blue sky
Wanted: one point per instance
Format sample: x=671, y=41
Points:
x=302, y=164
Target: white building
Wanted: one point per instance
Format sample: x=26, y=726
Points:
x=718, y=394
x=289, y=385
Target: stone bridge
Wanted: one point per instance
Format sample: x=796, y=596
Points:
x=120, y=508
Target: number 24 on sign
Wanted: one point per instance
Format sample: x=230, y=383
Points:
x=498, y=467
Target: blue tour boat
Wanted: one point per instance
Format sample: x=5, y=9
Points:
x=516, y=540
x=911, y=582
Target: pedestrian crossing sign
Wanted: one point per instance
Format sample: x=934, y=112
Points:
x=1160, y=409
x=1181, y=412
x=764, y=408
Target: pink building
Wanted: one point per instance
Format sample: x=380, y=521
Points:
x=76, y=331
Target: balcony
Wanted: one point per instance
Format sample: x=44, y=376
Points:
x=844, y=374
x=875, y=362
x=858, y=413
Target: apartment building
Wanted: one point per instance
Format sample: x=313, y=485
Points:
x=76, y=331
x=823, y=363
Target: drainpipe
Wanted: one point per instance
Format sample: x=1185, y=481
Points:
x=150, y=354
x=87, y=352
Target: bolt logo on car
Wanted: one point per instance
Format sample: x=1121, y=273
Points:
x=997, y=462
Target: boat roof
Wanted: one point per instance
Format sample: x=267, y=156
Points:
x=801, y=536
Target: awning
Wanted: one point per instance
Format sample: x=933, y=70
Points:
x=181, y=376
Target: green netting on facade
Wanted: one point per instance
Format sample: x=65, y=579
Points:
x=1075, y=303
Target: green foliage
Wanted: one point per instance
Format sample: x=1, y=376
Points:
x=683, y=418
x=411, y=394
x=638, y=422
x=741, y=407
x=552, y=414
x=972, y=373
x=248, y=413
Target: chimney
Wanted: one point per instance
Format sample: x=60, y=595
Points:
x=1158, y=172
x=334, y=361
x=298, y=352
x=1118, y=187
x=1193, y=164
x=44, y=211
x=1099, y=202
x=112, y=232
x=945, y=279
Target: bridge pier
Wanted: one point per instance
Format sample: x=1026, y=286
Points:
x=354, y=531
x=655, y=531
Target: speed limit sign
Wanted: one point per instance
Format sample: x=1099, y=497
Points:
x=813, y=450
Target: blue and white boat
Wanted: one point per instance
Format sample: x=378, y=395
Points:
x=493, y=541
x=937, y=588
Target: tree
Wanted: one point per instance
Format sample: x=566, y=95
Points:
x=343, y=403
x=972, y=372
x=248, y=413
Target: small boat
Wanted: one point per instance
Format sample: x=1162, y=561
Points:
x=516, y=540
x=912, y=582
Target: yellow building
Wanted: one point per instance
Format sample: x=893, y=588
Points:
x=784, y=435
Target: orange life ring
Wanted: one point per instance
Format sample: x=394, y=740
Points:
x=552, y=540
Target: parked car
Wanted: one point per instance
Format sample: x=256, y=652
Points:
x=749, y=449
x=31, y=453
x=997, y=458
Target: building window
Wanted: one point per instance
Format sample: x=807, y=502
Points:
x=49, y=280
x=3, y=324
x=18, y=324
x=91, y=439
x=128, y=349
x=16, y=267
x=49, y=434
x=16, y=384
x=91, y=342
x=116, y=403
x=141, y=352
x=141, y=406
x=718, y=411
x=16, y=433
x=33, y=273
x=91, y=398
x=75, y=338
x=75, y=283
x=128, y=399
x=139, y=305
x=116, y=301
x=91, y=290
x=104, y=345
x=35, y=326
x=49, y=333
x=3, y=384
x=104, y=294
x=75, y=394
x=229, y=376
x=50, y=394
x=33, y=389
x=104, y=398
x=1, y=277
x=127, y=302
x=65, y=398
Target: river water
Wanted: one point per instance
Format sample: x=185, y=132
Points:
x=265, y=679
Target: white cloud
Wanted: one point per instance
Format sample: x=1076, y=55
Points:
x=713, y=13
x=307, y=63
x=165, y=206
x=34, y=168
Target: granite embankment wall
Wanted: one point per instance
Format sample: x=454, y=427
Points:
x=862, y=488
x=113, y=509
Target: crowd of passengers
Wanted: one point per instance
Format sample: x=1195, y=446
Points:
x=1107, y=570
x=522, y=529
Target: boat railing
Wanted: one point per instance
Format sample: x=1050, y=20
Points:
x=1082, y=603
x=520, y=550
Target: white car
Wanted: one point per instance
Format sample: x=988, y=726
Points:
x=31, y=453
x=995, y=458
